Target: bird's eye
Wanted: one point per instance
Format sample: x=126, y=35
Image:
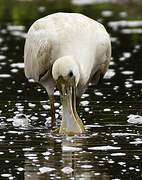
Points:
x=42, y=74
x=70, y=74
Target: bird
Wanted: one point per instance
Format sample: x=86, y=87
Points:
x=67, y=51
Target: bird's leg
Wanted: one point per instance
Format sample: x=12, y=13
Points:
x=77, y=102
x=53, y=119
x=97, y=78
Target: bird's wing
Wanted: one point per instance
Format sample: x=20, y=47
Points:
x=36, y=53
x=102, y=57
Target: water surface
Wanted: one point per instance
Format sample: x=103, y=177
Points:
x=111, y=112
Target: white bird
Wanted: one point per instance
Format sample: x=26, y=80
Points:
x=67, y=50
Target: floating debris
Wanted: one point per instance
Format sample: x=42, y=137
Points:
x=134, y=119
x=20, y=120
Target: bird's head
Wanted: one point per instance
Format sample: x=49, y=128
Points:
x=66, y=68
x=65, y=72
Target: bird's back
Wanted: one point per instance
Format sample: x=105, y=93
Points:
x=64, y=34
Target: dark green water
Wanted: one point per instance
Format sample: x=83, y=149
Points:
x=111, y=113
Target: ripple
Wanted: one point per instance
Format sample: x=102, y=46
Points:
x=138, y=81
x=67, y=170
x=107, y=110
x=132, y=31
x=46, y=153
x=123, y=134
x=20, y=169
x=5, y=75
x=116, y=24
x=84, y=103
x=70, y=148
x=18, y=65
x=123, y=14
x=128, y=84
x=98, y=93
x=17, y=33
x=28, y=149
x=30, y=155
x=127, y=54
x=46, y=107
x=86, y=166
x=127, y=72
x=104, y=148
x=15, y=28
x=136, y=142
x=107, y=13
x=82, y=2
x=46, y=169
x=31, y=105
x=2, y=57
x=2, y=137
x=88, y=2
x=14, y=70
x=42, y=8
x=118, y=154
x=6, y=175
x=109, y=74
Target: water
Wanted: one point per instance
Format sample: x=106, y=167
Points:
x=111, y=113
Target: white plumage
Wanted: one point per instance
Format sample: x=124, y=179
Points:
x=66, y=42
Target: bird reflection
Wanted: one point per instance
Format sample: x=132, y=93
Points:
x=74, y=162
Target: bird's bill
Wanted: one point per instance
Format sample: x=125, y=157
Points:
x=71, y=123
